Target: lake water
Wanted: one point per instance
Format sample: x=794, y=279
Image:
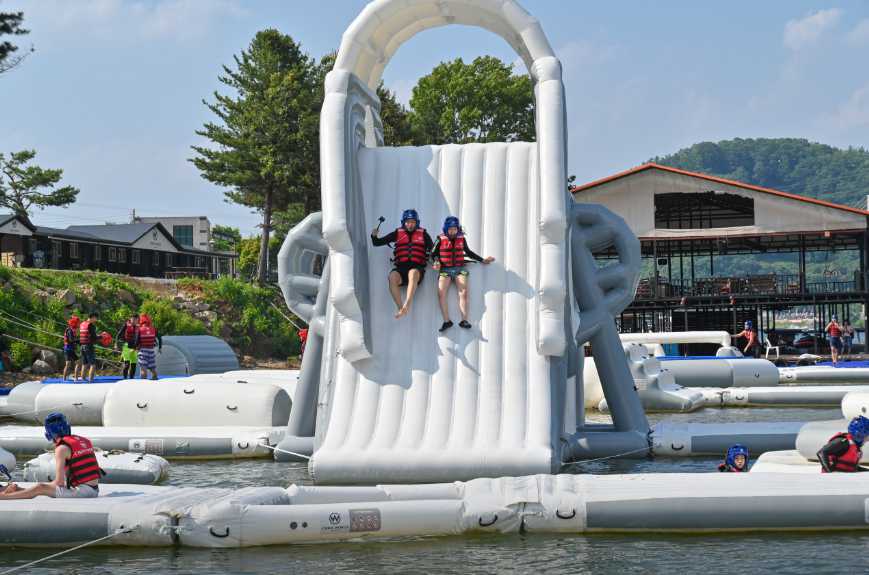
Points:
x=745, y=553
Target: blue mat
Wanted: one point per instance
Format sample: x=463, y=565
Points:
x=690, y=357
x=100, y=379
x=844, y=364
x=5, y=390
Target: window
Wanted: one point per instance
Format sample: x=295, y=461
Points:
x=134, y=257
x=73, y=250
x=56, y=249
x=113, y=254
x=200, y=262
x=169, y=262
x=122, y=255
x=34, y=245
x=156, y=259
x=703, y=210
x=183, y=235
x=98, y=253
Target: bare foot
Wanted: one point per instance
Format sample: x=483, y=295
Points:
x=402, y=312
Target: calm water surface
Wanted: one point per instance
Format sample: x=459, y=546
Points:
x=674, y=555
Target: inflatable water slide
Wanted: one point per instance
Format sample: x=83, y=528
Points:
x=381, y=398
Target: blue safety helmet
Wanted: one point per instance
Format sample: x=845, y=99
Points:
x=749, y=324
x=733, y=451
x=451, y=222
x=409, y=215
x=56, y=425
x=859, y=429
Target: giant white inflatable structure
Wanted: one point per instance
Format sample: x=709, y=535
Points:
x=384, y=399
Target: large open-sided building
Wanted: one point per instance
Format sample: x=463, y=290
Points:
x=687, y=222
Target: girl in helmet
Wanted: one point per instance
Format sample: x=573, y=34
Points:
x=412, y=245
x=750, y=334
x=449, y=256
x=736, y=460
x=844, y=450
x=77, y=472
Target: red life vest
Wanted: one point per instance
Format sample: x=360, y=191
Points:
x=850, y=460
x=84, y=333
x=451, y=253
x=68, y=337
x=409, y=248
x=835, y=330
x=147, y=336
x=724, y=468
x=82, y=466
x=129, y=332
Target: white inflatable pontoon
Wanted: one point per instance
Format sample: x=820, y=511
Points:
x=119, y=467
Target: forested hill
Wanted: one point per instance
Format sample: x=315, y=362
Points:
x=787, y=164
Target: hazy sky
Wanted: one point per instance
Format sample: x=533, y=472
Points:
x=113, y=92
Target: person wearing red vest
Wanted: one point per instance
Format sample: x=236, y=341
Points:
x=87, y=337
x=147, y=338
x=70, y=344
x=449, y=254
x=844, y=450
x=127, y=335
x=303, y=339
x=411, y=248
x=750, y=334
x=77, y=472
x=835, y=332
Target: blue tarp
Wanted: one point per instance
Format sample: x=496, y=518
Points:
x=679, y=357
x=99, y=379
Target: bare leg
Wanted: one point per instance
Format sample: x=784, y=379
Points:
x=46, y=489
x=444, y=283
x=91, y=373
x=462, y=285
x=834, y=351
x=66, y=370
x=78, y=372
x=412, y=279
x=395, y=288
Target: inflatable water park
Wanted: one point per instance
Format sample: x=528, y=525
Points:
x=407, y=429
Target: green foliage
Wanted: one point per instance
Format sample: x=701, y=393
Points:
x=225, y=238
x=397, y=130
x=21, y=354
x=10, y=25
x=478, y=102
x=170, y=320
x=788, y=164
x=23, y=186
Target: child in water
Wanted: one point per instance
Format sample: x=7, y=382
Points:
x=736, y=460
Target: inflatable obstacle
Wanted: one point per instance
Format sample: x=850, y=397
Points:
x=119, y=467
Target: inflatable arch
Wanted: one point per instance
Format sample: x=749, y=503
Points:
x=384, y=399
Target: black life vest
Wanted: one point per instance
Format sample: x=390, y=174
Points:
x=451, y=252
x=409, y=248
x=68, y=337
x=82, y=466
x=84, y=333
x=147, y=336
x=849, y=461
x=129, y=332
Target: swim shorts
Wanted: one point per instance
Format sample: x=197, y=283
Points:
x=88, y=355
x=69, y=353
x=836, y=342
x=453, y=272
x=79, y=492
x=147, y=358
x=404, y=268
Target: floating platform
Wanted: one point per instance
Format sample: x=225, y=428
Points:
x=119, y=467
x=785, y=462
x=692, y=439
x=170, y=516
x=780, y=396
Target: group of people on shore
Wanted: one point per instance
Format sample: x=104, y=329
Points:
x=140, y=338
x=413, y=249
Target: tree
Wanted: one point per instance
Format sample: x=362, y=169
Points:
x=23, y=186
x=397, y=130
x=264, y=147
x=478, y=102
x=225, y=238
x=10, y=24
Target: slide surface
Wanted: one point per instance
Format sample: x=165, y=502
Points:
x=467, y=403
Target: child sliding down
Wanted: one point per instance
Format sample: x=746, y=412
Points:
x=449, y=260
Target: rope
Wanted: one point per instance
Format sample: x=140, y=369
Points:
x=33, y=343
x=70, y=550
x=285, y=316
x=25, y=323
x=608, y=456
x=278, y=450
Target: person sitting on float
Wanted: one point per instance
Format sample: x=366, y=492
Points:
x=77, y=472
x=412, y=246
x=449, y=256
x=736, y=460
x=844, y=450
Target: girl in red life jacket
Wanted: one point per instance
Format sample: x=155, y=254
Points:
x=843, y=452
x=70, y=343
x=835, y=331
x=147, y=337
x=736, y=460
x=127, y=335
x=449, y=254
x=412, y=246
x=77, y=473
x=87, y=337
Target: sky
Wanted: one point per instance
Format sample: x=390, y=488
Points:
x=113, y=92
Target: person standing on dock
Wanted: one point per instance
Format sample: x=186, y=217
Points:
x=835, y=333
x=749, y=333
x=127, y=334
x=146, y=339
x=87, y=337
x=847, y=337
x=844, y=450
x=70, y=344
